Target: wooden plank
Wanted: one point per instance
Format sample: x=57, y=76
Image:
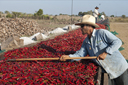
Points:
x=105, y=82
x=99, y=76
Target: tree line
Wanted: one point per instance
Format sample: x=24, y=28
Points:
x=39, y=14
x=123, y=16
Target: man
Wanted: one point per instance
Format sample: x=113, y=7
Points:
x=104, y=45
x=96, y=13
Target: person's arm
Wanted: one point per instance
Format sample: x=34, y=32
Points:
x=80, y=53
x=113, y=41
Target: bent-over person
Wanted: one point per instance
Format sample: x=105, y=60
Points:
x=104, y=45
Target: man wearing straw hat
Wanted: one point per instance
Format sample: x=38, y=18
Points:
x=104, y=45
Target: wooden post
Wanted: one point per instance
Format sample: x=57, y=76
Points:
x=99, y=76
x=105, y=82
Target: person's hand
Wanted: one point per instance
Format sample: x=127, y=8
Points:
x=102, y=56
x=62, y=58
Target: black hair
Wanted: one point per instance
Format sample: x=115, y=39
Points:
x=87, y=25
x=93, y=27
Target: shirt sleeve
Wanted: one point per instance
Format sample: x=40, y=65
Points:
x=114, y=43
x=80, y=53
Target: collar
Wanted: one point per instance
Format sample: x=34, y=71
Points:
x=93, y=35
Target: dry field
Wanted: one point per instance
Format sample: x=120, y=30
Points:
x=122, y=29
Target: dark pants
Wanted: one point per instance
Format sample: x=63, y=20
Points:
x=96, y=19
x=121, y=80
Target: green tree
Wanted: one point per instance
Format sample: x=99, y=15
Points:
x=16, y=14
x=46, y=16
x=84, y=13
x=103, y=13
x=35, y=14
x=123, y=16
x=7, y=12
x=80, y=14
x=40, y=12
x=9, y=15
x=90, y=12
x=112, y=16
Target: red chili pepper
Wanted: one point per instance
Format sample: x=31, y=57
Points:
x=48, y=72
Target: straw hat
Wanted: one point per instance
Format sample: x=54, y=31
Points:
x=88, y=19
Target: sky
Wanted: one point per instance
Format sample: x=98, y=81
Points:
x=56, y=7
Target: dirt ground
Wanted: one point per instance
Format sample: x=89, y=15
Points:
x=122, y=29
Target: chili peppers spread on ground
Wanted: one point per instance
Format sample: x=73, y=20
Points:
x=49, y=72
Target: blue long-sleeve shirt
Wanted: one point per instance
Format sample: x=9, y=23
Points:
x=104, y=41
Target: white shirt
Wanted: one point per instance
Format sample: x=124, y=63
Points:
x=103, y=17
x=95, y=13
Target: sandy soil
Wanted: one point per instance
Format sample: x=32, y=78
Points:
x=122, y=29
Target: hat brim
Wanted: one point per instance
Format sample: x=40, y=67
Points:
x=89, y=23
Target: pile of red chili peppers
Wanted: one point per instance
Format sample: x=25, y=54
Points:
x=49, y=72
